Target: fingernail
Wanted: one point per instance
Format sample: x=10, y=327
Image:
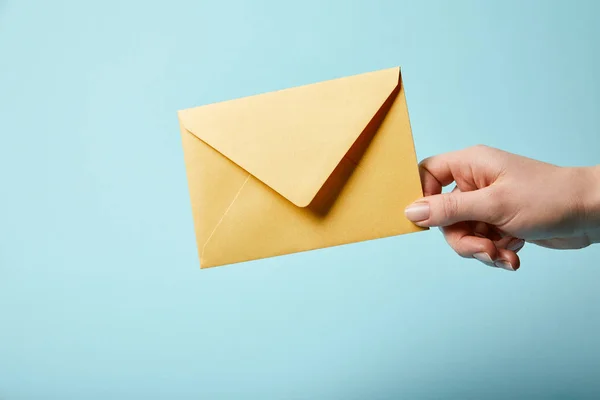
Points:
x=515, y=245
x=504, y=265
x=417, y=212
x=484, y=258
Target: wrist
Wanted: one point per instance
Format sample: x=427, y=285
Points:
x=590, y=203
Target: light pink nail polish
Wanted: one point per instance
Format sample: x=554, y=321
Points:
x=515, y=245
x=484, y=258
x=504, y=265
x=417, y=212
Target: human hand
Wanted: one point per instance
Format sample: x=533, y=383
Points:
x=502, y=200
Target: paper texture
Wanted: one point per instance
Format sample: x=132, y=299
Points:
x=309, y=167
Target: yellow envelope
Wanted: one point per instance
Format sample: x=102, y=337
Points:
x=308, y=167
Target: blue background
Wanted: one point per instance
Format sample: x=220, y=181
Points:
x=100, y=291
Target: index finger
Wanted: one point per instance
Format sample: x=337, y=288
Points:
x=468, y=165
x=436, y=173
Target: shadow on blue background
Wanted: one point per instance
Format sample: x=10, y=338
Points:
x=100, y=291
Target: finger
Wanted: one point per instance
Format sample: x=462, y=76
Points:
x=429, y=183
x=483, y=242
x=437, y=169
x=481, y=229
x=510, y=243
x=508, y=260
x=460, y=238
x=443, y=168
x=482, y=249
x=449, y=208
x=493, y=233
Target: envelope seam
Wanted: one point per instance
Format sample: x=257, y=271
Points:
x=224, y=215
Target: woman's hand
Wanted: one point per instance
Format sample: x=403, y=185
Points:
x=502, y=200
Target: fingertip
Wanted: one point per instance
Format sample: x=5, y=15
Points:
x=488, y=247
x=508, y=259
x=418, y=213
x=515, y=245
x=429, y=183
x=480, y=248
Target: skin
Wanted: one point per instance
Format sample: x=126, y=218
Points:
x=502, y=201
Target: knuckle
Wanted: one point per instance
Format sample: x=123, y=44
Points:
x=450, y=206
x=455, y=242
x=481, y=150
x=480, y=147
x=425, y=161
x=462, y=248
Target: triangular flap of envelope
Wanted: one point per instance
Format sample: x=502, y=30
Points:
x=293, y=139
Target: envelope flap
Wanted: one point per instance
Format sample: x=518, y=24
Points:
x=293, y=139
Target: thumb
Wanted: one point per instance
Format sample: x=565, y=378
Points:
x=449, y=208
